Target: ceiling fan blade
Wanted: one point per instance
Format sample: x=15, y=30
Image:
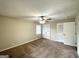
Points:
x=49, y=19
x=30, y=16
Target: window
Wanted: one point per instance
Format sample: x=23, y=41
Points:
x=38, y=29
x=60, y=28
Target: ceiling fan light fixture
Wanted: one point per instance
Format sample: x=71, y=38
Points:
x=44, y=18
x=42, y=22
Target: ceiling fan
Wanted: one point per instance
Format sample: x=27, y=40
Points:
x=44, y=19
x=41, y=19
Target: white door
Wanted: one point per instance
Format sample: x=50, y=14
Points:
x=46, y=31
x=69, y=33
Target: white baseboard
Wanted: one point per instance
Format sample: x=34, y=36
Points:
x=20, y=44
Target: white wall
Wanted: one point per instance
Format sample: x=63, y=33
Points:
x=77, y=31
x=50, y=31
x=14, y=32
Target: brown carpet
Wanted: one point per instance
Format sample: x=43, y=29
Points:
x=43, y=48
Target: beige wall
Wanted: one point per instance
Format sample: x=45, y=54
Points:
x=14, y=32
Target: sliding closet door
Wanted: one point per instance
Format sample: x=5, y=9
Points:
x=46, y=31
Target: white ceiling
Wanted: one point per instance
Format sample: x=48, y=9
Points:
x=58, y=9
